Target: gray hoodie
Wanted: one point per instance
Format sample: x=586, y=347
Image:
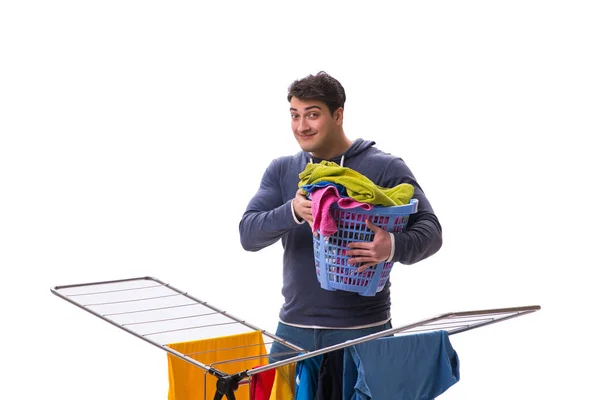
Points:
x=269, y=218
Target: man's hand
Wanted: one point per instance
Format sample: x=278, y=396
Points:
x=303, y=208
x=371, y=253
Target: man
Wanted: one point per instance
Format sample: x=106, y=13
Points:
x=311, y=317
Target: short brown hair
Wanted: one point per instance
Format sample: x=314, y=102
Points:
x=321, y=86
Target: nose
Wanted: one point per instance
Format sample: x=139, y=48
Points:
x=302, y=126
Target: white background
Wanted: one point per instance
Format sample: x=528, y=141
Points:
x=134, y=133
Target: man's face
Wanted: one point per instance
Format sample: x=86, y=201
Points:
x=315, y=129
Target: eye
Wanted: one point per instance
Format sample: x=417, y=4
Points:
x=294, y=116
x=313, y=115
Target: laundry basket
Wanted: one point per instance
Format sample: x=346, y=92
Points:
x=333, y=272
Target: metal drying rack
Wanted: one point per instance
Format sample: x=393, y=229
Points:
x=160, y=314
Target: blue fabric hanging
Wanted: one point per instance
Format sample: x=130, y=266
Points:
x=412, y=367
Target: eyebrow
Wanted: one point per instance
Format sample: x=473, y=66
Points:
x=307, y=108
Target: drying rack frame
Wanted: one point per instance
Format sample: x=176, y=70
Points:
x=227, y=384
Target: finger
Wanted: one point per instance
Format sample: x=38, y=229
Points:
x=360, y=245
x=301, y=197
x=361, y=260
x=372, y=226
x=365, y=266
x=359, y=252
x=303, y=201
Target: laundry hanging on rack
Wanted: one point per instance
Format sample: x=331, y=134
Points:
x=283, y=385
x=358, y=186
x=331, y=372
x=406, y=367
x=418, y=366
x=261, y=385
x=274, y=384
x=186, y=381
x=307, y=372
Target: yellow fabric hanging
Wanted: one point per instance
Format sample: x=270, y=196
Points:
x=358, y=186
x=186, y=381
x=284, y=385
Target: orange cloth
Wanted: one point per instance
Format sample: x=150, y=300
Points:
x=186, y=381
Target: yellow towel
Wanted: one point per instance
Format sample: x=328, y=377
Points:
x=358, y=186
x=284, y=385
x=186, y=381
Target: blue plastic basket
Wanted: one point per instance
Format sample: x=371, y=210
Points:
x=333, y=271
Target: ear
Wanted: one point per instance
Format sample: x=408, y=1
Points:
x=338, y=116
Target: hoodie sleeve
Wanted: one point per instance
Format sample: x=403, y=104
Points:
x=423, y=235
x=267, y=217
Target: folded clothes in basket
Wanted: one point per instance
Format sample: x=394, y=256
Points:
x=358, y=186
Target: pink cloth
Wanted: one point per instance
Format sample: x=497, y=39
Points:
x=322, y=200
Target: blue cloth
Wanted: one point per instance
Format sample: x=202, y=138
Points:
x=310, y=188
x=411, y=367
x=307, y=376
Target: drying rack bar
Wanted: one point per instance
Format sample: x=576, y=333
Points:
x=112, y=301
x=161, y=314
x=461, y=326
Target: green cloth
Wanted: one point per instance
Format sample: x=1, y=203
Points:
x=358, y=186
